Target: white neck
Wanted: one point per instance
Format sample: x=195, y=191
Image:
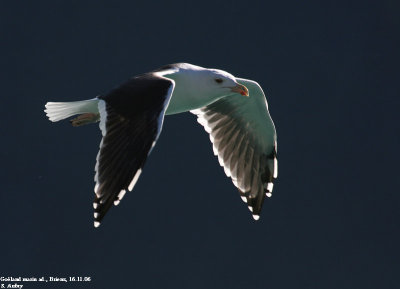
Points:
x=187, y=94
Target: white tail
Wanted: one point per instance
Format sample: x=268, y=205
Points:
x=56, y=111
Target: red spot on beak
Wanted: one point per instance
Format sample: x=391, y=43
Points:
x=241, y=89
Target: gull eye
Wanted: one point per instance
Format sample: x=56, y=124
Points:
x=218, y=80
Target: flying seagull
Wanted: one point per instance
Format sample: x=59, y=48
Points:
x=232, y=110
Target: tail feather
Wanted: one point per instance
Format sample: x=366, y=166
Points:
x=56, y=111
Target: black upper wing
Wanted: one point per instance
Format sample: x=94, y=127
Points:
x=131, y=117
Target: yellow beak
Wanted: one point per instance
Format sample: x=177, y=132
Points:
x=241, y=89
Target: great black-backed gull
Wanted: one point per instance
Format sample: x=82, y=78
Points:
x=232, y=110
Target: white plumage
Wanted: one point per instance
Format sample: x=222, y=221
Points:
x=232, y=110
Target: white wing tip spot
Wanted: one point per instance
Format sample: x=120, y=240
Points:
x=116, y=202
x=121, y=194
x=250, y=208
x=134, y=180
x=270, y=187
x=96, y=215
x=244, y=199
x=269, y=195
x=95, y=205
x=96, y=224
x=256, y=217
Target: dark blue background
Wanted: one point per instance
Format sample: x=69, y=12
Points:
x=330, y=72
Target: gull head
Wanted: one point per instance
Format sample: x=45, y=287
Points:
x=196, y=87
x=223, y=81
